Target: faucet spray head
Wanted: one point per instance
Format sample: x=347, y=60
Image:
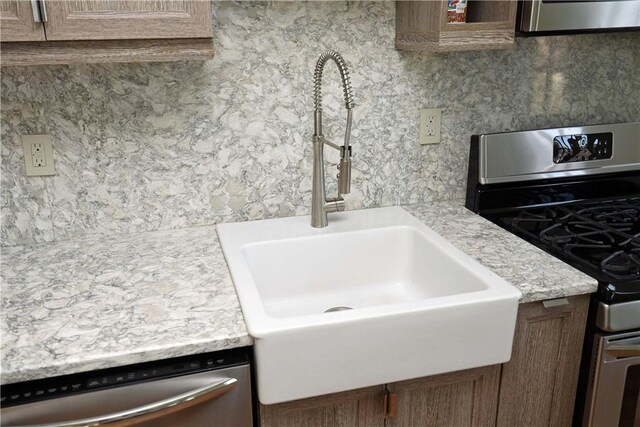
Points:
x=344, y=176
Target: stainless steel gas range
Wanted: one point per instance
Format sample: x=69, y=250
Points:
x=575, y=193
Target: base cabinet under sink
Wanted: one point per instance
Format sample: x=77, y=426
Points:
x=362, y=407
x=455, y=399
x=536, y=387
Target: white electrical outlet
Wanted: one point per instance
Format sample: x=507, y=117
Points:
x=38, y=154
x=430, y=126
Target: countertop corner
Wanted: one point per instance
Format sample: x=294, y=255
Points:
x=538, y=275
x=99, y=302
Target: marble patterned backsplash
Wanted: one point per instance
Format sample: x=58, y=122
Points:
x=141, y=147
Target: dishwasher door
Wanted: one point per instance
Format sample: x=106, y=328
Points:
x=212, y=398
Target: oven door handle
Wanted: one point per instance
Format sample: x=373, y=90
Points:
x=632, y=350
x=153, y=410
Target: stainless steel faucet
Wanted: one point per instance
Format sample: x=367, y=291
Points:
x=320, y=205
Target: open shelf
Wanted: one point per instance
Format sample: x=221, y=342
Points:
x=423, y=26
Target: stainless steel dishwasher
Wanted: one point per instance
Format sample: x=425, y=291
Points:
x=204, y=390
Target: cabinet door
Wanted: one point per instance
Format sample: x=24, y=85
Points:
x=357, y=408
x=457, y=399
x=17, y=22
x=127, y=19
x=538, y=385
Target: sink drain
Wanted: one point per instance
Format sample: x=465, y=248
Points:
x=338, y=308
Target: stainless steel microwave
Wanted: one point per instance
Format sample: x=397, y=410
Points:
x=540, y=16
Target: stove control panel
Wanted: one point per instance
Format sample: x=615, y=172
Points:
x=582, y=147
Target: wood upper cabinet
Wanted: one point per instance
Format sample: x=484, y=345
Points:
x=17, y=23
x=127, y=19
x=357, y=408
x=93, y=31
x=457, y=399
x=422, y=26
x=538, y=384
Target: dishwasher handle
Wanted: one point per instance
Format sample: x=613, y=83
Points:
x=153, y=410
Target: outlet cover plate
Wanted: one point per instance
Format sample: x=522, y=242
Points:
x=430, y=120
x=38, y=155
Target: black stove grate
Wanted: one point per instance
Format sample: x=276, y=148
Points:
x=603, y=238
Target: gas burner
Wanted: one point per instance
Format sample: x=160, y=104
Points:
x=546, y=214
x=622, y=216
x=602, y=237
x=559, y=234
x=535, y=222
x=621, y=262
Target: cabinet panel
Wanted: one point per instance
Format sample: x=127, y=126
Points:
x=465, y=398
x=17, y=22
x=127, y=19
x=538, y=385
x=422, y=26
x=105, y=51
x=357, y=408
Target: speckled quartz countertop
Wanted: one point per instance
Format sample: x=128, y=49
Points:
x=107, y=301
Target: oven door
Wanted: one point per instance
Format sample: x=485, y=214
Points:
x=613, y=395
x=576, y=16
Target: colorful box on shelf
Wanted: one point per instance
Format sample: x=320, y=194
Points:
x=457, y=11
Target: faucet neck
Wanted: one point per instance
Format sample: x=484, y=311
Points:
x=320, y=205
x=317, y=123
x=344, y=75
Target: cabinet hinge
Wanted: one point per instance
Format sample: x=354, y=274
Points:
x=390, y=403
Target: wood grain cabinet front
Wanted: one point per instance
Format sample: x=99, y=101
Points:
x=538, y=384
x=457, y=399
x=92, y=31
x=17, y=22
x=356, y=408
x=423, y=26
x=129, y=19
x=535, y=388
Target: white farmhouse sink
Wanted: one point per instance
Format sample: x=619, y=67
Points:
x=417, y=305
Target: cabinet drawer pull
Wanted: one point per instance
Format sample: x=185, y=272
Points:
x=390, y=403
